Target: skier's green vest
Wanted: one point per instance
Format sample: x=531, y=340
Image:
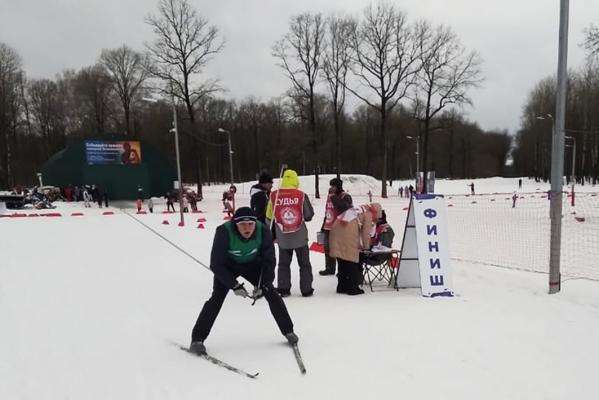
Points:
x=240, y=250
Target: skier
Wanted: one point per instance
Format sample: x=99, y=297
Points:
x=150, y=204
x=228, y=200
x=242, y=247
x=336, y=188
x=471, y=188
x=289, y=207
x=259, y=194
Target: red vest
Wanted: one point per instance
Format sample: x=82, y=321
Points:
x=329, y=214
x=288, y=209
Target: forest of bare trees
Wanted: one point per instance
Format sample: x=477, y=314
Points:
x=532, y=153
x=409, y=80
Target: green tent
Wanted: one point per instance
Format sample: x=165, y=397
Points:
x=70, y=166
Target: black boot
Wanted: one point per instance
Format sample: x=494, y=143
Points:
x=326, y=271
x=292, y=338
x=197, y=348
x=284, y=292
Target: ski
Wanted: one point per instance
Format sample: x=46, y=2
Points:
x=298, y=358
x=222, y=364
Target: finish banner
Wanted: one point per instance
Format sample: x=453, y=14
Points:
x=99, y=152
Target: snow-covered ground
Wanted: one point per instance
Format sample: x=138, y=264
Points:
x=91, y=305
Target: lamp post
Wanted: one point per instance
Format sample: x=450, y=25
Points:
x=221, y=130
x=176, y=132
x=417, y=140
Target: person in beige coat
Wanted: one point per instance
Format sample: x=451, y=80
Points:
x=349, y=235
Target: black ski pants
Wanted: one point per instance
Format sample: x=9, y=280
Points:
x=212, y=307
x=330, y=262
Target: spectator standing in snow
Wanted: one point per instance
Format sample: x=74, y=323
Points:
x=290, y=208
x=400, y=191
x=169, y=202
x=514, y=198
x=185, y=203
x=86, y=198
x=520, y=183
x=150, y=205
x=100, y=195
x=471, y=188
x=259, y=194
x=349, y=235
x=242, y=247
x=138, y=203
x=335, y=189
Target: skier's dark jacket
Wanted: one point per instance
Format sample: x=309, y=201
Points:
x=258, y=201
x=226, y=269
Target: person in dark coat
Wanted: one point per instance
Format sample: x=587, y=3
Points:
x=242, y=247
x=260, y=193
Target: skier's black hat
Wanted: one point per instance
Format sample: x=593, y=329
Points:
x=243, y=214
x=336, y=182
x=265, y=177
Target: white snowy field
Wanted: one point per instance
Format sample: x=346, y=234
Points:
x=90, y=307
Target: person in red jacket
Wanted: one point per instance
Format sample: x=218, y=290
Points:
x=336, y=188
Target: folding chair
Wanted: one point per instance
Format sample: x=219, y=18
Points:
x=378, y=266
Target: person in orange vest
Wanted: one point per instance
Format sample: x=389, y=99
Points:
x=329, y=218
x=289, y=208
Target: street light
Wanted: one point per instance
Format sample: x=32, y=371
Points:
x=221, y=130
x=176, y=132
x=417, y=140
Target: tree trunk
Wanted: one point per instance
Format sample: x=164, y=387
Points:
x=384, y=139
x=314, y=144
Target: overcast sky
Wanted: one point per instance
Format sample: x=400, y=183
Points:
x=517, y=40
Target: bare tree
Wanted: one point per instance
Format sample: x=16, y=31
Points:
x=337, y=60
x=447, y=72
x=386, y=63
x=300, y=54
x=92, y=88
x=591, y=40
x=11, y=77
x=185, y=42
x=128, y=70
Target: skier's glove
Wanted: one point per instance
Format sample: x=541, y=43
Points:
x=257, y=293
x=239, y=290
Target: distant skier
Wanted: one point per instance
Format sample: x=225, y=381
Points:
x=150, y=204
x=228, y=200
x=520, y=183
x=471, y=188
x=242, y=247
x=514, y=198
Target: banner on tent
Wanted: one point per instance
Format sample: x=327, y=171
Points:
x=424, y=259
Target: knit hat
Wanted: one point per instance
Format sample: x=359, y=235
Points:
x=243, y=214
x=336, y=182
x=265, y=177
